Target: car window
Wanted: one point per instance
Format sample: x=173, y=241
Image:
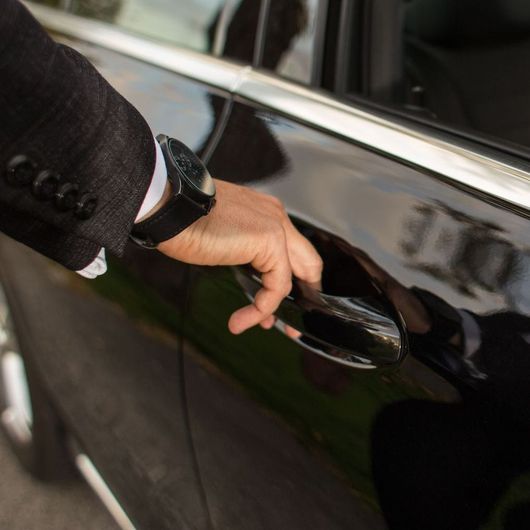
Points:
x=290, y=38
x=188, y=23
x=226, y=28
x=457, y=63
x=236, y=30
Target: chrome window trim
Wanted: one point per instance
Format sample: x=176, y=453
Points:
x=204, y=68
x=506, y=180
x=472, y=167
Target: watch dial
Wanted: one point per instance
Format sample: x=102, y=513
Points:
x=191, y=168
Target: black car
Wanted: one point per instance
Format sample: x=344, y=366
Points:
x=397, y=134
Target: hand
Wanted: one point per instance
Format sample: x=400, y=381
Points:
x=248, y=227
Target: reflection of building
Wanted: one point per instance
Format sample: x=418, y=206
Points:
x=465, y=252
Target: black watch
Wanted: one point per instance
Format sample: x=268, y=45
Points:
x=193, y=195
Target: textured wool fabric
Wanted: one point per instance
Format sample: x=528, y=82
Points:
x=58, y=110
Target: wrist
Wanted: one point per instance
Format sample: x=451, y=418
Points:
x=189, y=194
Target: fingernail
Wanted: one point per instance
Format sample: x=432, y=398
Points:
x=235, y=329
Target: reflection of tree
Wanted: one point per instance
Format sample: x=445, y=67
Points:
x=465, y=252
x=287, y=19
x=106, y=10
x=236, y=37
x=52, y=3
x=248, y=145
x=248, y=150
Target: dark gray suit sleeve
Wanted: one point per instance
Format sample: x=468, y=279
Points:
x=59, y=113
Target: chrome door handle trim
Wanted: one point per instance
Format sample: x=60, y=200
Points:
x=358, y=332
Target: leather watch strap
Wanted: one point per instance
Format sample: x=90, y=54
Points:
x=173, y=218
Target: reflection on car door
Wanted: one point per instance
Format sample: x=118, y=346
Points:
x=288, y=438
x=286, y=433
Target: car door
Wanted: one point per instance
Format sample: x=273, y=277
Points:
x=108, y=350
x=403, y=402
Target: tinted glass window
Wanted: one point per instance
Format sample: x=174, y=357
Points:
x=188, y=23
x=290, y=38
x=460, y=63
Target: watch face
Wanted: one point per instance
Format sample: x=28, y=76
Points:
x=191, y=168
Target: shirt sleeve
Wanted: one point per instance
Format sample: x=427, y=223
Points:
x=152, y=197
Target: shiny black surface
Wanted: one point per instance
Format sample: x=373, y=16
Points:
x=448, y=428
x=351, y=323
x=193, y=427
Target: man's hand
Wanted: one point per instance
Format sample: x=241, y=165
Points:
x=248, y=227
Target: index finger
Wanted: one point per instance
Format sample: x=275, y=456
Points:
x=276, y=285
x=305, y=261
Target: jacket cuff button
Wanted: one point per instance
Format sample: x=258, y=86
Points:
x=46, y=184
x=21, y=170
x=66, y=196
x=86, y=206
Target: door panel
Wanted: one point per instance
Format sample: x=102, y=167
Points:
x=286, y=438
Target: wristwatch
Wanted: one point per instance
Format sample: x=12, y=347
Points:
x=193, y=195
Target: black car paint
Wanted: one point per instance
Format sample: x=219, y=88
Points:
x=423, y=232
x=282, y=437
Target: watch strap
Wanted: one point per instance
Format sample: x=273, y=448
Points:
x=176, y=215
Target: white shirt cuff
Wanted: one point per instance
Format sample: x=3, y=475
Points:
x=96, y=268
x=152, y=197
x=157, y=186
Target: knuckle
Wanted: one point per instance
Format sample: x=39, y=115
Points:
x=287, y=288
x=277, y=230
x=278, y=206
x=262, y=303
x=317, y=263
x=261, y=307
x=275, y=201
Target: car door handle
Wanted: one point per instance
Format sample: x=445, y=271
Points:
x=363, y=332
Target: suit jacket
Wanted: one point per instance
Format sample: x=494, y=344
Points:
x=76, y=158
